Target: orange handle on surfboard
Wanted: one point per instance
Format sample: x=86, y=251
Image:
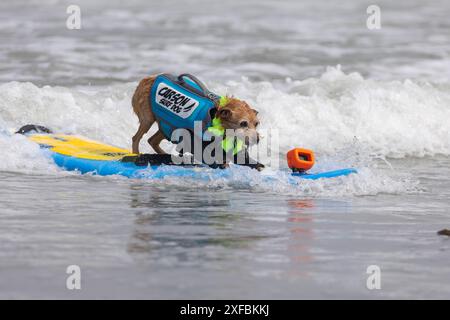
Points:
x=299, y=159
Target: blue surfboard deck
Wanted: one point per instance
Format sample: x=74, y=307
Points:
x=80, y=154
x=130, y=170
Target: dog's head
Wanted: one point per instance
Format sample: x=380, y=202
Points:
x=238, y=115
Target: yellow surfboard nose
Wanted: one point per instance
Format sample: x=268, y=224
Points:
x=80, y=147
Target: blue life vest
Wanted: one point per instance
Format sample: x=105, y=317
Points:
x=177, y=102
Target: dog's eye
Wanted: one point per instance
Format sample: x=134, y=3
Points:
x=244, y=124
x=256, y=123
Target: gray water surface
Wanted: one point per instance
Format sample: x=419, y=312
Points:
x=135, y=240
x=220, y=40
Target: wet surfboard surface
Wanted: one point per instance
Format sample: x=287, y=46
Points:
x=75, y=153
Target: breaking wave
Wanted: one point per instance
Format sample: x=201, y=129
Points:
x=347, y=120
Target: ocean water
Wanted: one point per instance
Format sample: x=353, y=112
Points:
x=377, y=100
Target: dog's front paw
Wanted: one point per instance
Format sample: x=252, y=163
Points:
x=224, y=166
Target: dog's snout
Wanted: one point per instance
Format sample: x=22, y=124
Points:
x=244, y=124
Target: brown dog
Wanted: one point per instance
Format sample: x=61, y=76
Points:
x=235, y=114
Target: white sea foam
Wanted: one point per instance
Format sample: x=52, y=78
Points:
x=367, y=182
x=347, y=120
x=329, y=113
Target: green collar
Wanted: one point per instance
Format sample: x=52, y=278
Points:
x=228, y=143
x=223, y=101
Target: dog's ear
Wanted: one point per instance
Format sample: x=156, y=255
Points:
x=225, y=113
x=255, y=112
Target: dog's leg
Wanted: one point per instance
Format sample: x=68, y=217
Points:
x=155, y=140
x=143, y=129
x=143, y=110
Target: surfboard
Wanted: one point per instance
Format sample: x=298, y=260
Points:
x=76, y=153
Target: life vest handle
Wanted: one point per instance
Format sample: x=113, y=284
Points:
x=194, y=79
